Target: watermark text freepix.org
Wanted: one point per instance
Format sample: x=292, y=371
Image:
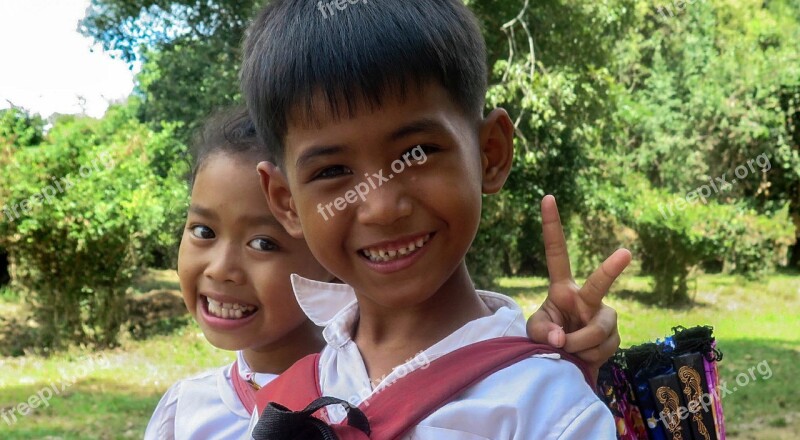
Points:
x=42, y=397
x=706, y=400
x=328, y=8
x=679, y=5
x=419, y=362
x=717, y=185
x=57, y=186
x=361, y=190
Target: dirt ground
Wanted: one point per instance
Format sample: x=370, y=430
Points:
x=761, y=429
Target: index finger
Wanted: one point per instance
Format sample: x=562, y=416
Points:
x=555, y=245
x=600, y=281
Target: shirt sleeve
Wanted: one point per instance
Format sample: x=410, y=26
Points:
x=162, y=423
x=594, y=422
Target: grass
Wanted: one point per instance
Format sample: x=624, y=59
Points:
x=115, y=391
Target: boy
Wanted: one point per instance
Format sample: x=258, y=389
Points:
x=350, y=97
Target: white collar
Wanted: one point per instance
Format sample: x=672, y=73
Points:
x=321, y=301
x=335, y=307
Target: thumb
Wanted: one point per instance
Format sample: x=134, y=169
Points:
x=542, y=330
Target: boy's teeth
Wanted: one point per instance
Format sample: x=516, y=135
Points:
x=383, y=255
x=228, y=310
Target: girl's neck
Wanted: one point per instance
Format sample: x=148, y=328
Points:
x=275, y=358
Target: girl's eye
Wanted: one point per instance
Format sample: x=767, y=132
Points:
x=202, y=232
x=331, y=172
x=263, y=245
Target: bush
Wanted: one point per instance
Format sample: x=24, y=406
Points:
x=20, y=128
x=84, y=210
x=672, y=239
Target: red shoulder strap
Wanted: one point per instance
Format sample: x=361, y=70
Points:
x=399, y=407
x=295, y=388
x=246, y=393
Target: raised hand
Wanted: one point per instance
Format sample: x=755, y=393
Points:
x=573, y=317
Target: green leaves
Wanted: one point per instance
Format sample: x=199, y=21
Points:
x=100, y=189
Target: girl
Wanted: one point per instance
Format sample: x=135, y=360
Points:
x=234, y=265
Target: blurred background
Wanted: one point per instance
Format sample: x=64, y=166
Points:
x=671, y=128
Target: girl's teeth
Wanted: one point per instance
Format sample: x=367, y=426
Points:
x=228, y=310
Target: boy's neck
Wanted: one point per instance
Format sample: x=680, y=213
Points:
x=279, y=356
x=388, y=337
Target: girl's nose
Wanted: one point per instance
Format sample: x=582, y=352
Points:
x=225, y=265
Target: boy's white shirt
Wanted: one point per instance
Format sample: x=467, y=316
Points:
x=542, y=397
x=206, y=406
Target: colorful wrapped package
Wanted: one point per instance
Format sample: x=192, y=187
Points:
x=666, y=390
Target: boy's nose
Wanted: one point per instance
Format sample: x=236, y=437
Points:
x=224, y=265
x=385, y=205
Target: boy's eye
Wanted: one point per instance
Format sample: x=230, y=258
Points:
x=202, y=232
x=420, y=151
x=262, y=244
x=332, y=171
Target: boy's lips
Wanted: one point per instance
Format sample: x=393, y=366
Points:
x=395, y=255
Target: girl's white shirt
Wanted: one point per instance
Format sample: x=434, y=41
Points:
x=207, y=407
x=204, y=406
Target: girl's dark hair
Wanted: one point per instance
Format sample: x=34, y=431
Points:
x=231, y=132
x=296, y=49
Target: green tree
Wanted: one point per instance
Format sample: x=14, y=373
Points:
x=20, y=128
x=188, y=50
x=85, y=209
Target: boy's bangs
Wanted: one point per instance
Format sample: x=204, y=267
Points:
x=330, y=103
x=358, y=58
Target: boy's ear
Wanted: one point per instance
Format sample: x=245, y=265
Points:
x=276, y=190
x=497, y=150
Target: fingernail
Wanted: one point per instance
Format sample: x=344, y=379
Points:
x=552, y=338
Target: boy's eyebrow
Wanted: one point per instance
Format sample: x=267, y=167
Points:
x=314, y=152
x=424, y=125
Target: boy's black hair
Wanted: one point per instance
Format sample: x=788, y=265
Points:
x=295, y=50
x=231, y=132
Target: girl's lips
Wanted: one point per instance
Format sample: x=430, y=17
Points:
x=221, y=323
x=396, y=265
x=223, y=298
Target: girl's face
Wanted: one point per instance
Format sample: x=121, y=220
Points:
x=235, y=260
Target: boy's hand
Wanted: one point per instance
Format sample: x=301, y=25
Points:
x=574, y=318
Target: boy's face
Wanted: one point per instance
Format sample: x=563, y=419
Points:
x=389, y=201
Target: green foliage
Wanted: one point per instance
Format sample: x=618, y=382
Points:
x=552, y=84
x=84, y=211
x=19, y=128
x=189, y=51
x=674, y=234
x=602, y=94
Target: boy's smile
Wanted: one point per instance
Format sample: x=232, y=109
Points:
x=406, y=239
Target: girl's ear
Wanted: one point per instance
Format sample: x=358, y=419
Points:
x=279, y=198
x=497, y=150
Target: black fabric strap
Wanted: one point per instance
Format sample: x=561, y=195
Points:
x=280, y=423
